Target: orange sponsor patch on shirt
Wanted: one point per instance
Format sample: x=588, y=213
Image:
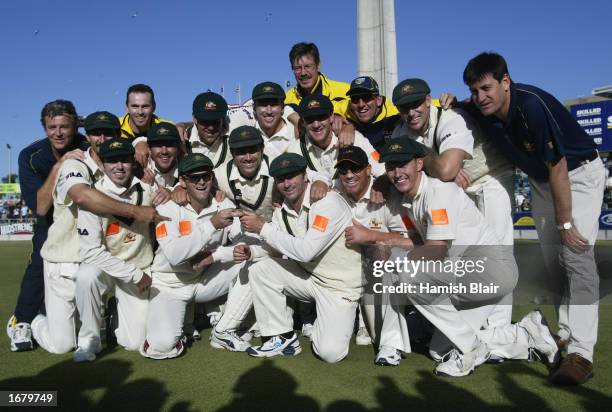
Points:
x=113, y=229
x=375, y=155
x=439, y=217
x=161, y=231
x=320, y=223
x=185, y=227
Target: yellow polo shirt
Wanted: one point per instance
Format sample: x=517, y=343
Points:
x=336, y=91
x=126, y=129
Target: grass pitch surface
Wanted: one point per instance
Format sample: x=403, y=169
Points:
x=210, y=380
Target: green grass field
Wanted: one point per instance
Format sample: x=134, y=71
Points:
x=207, y=379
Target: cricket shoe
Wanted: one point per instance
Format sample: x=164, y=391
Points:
x=362, y=338
x=148, y=352
x=307, y=330
x=277, y=346
x=540, y=338
x=20, y=334
x=456, y=364
x=388, y=356
x=228, y=340
x=82, y=355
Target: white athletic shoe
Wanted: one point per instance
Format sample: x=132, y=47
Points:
x=228, y=340
x=540, y=337
x=457, y=364
x=196, y=334
x=20, y=335
x=277, y=346
x=388, y=356
x=147, y=352
x=307, y=330
x=85, y=355
x=362, y=338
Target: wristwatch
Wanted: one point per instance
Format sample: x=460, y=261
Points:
x=565, y=226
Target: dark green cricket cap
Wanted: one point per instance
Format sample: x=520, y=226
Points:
x=209, y=106
x=116, y=147
x=193, y=162
x=268, y=90
x=410, y=91
x=363, y=85
x=287, y=163
x=164, y=132
x=402, y=149
x=245, y=136
x=101, y=120
x=315, y=105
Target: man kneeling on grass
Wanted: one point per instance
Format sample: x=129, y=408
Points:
x=320, y=269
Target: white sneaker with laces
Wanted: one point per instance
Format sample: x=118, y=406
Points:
x=362, y=338
x=540, y=337
x=20, y=335
x=456, y=364
x=228, y=340
x=388, y=356
x=277, y=346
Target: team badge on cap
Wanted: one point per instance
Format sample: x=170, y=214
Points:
x=163, y=131
x=115, y=145
x=101, y=116
x=314, y=104
x=359, y=80
x=268, y=89
x=407, y=88
x=285, y=163
x=210, y=106
x=395, y=148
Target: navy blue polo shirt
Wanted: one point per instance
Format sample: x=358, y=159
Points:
x=35, y=164
x=379, y=130
x=538, y=129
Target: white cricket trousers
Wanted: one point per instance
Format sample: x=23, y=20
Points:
x=132, y=304
x=274, y=279
x=56, y=332
x=578, y=307
x=168, y=303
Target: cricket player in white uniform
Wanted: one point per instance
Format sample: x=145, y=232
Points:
x=208, y=133
x=55, y=331
x=119, y=251
x=164, y=143
x=187, y=264
x=319, y=145
x=463, y=154
x=457, y=301
x=320, y=267
x=374, y=224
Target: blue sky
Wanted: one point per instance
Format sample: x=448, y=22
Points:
x=90, y=52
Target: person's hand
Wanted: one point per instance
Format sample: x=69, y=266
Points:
x=144, y=283
x=574, y=240
x=251, y=222
x=142, y=153
x=182, y=129
x=220, y=195
x=242, y=253
x=337, y=122
x=346, y=137
x=148, y=214
x=400, y=242
x=161, y=196
x=318, y=190
x=224, y=218
x=148, y=176
x=201, y=260
x=179, y=196
x=357, y=234
x=462, y=179
x=447, y=101
x=381, y=188
x=76, y=154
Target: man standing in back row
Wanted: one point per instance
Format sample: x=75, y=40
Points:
x=566, y=175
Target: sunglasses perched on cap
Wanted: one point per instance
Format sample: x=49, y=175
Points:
x=195, y=178
x=352, y=167
x=100, y=132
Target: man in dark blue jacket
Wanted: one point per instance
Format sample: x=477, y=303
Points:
x=566, y=175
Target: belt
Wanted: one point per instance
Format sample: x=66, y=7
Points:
x=576, y=163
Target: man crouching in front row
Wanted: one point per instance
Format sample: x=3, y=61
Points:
x=187, y=264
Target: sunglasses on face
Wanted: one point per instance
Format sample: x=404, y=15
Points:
x=354, y=169
x=367, y=98
x=195, y=178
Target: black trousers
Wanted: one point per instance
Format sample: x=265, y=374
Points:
x=32, y=294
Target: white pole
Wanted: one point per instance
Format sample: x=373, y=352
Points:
x=8, y=146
